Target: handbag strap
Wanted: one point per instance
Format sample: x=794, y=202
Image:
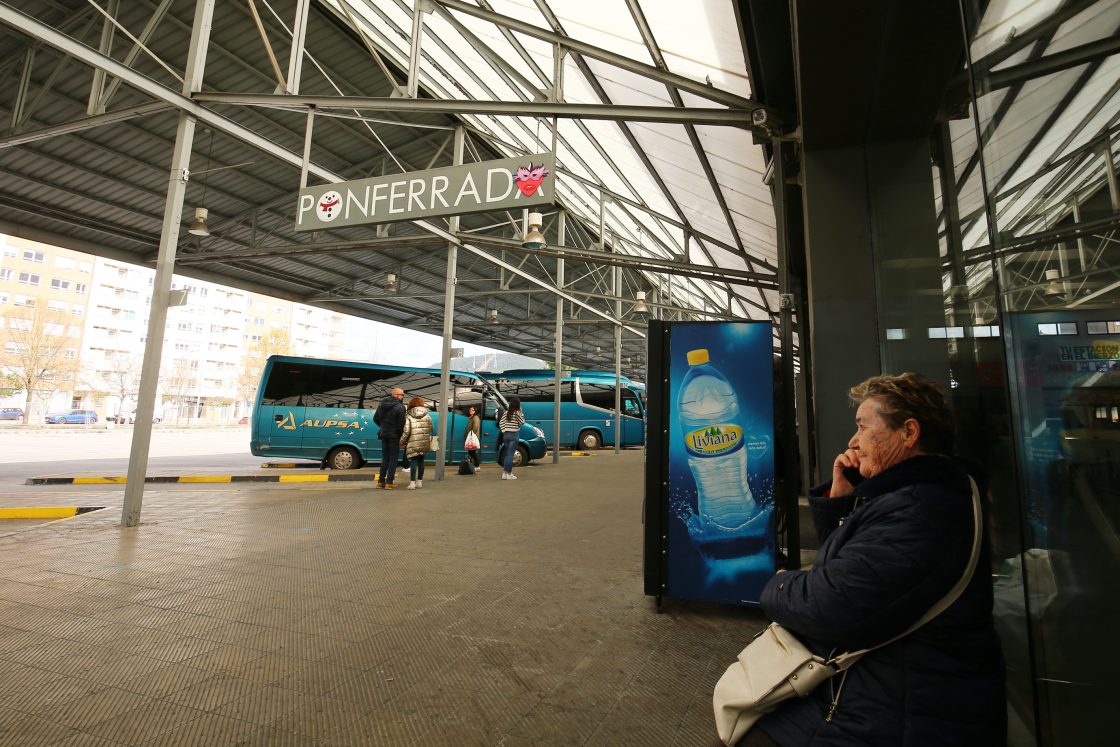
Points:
x=844, y=661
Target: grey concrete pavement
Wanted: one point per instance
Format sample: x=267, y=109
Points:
x=471, y=612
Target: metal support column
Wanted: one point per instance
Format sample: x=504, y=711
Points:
x=307, y=146
x=617, y=361
x=1110, y=174
x=93, y=106
x=299, y=37
x=561, y=227
x=418, y=11
x=165, y=268
x=787, y=469
x=21, y=90
x=448, y=324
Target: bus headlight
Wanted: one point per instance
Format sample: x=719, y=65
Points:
x=538, y=431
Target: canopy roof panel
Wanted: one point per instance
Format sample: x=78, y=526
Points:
x=86, y=156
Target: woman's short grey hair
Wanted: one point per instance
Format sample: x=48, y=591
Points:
x=911, y=395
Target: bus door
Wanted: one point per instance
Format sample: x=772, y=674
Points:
x=491, y=435
x=283, y=408
x=633, y=421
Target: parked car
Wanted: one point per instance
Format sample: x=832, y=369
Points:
x=244, y=420
x=72, y=416
x=11, y=413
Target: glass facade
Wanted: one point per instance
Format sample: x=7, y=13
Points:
x=1019, y=317
x=1028, y=212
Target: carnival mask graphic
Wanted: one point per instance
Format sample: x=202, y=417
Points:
x=528, y=179
x=329, y=206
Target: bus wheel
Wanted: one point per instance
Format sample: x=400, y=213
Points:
x=589, y=440
x=344, y=457
x=520, y=457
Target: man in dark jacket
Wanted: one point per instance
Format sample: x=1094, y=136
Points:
x=390, y=417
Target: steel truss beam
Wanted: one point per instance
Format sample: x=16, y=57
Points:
x=767, y=114
x=85, y=123
x=665, y=114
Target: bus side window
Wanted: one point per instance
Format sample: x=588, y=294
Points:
x=630, y=407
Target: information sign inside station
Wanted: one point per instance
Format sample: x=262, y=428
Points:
x=523, y=182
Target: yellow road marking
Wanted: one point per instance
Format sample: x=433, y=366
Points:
x=304, y=478
x=38, y=512
x=100, y=480
x=205, y=478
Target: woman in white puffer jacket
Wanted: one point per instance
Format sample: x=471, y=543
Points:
x=416, y=440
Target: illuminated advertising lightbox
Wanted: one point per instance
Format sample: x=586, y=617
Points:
x=716, y=456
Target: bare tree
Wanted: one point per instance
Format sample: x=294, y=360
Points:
x=122, y=378
x=40, y=352
x=273, y=342
x=178, y=382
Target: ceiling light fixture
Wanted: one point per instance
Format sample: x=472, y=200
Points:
x=199, y=227
x=390, y=281
x=640, y=303
x=1054, y=287
x=493, y=317
x=534, y=239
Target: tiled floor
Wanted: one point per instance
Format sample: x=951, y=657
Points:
x=472, y=612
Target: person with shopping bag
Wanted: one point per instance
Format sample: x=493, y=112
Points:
x=471, y=442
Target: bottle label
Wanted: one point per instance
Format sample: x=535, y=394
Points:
x=714, y=440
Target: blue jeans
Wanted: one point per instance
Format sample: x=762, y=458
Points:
x=390, y=452
x=416, y=467
x=509, y=445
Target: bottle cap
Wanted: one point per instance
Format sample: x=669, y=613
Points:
x=697, y=357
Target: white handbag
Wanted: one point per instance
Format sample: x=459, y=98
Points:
x=775, y=666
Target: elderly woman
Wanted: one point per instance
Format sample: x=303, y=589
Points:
x=896, y=536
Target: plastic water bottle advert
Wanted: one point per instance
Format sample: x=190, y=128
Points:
x=721, y=472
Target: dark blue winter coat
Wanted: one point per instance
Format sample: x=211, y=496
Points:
x=390, y=417
x=878, y=570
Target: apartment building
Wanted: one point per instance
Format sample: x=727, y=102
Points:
x=99, y=309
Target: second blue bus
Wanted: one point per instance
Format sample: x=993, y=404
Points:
x=587, y=400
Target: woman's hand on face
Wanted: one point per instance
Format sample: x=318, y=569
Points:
x=840, y=485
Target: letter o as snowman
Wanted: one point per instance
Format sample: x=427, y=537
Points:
x=329, y=206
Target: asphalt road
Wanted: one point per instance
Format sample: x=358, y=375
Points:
x=96, y=450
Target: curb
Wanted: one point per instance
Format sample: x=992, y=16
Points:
x=200, y=479
x=46, y=512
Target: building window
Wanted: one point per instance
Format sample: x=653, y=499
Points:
x=65, y=263
x=29, y=278
x=32, y=256
x=1102, y=328
x=80, y=288
x=60, y=284
x=3, y=297
x=77, y=309
x=85, y=267
x=6, y=273
x=24, y=301
x=1059, y=328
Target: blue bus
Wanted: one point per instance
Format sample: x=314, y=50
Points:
x=586, y=405
x=310, y=408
